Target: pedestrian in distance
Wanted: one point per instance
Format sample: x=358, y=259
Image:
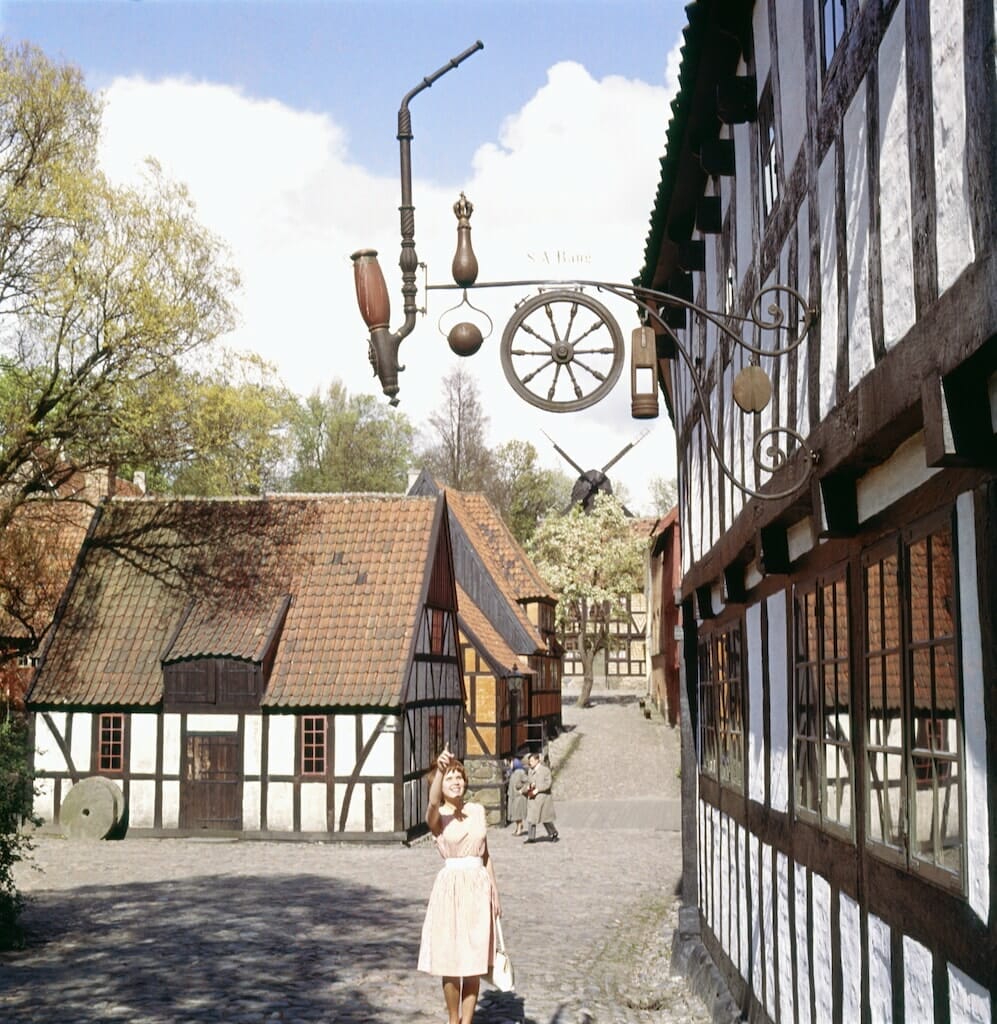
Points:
x=458, y=934
x=516, y=795
x=540, y=800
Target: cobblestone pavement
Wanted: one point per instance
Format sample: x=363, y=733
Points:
x=208, y=930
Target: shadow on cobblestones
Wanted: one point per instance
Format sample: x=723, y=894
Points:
x=298, y=947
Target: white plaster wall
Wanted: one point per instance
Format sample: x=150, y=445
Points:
x=969, y=1001
x=142, y=803
x=786, y=1001
x=757, y=949
x=48, y=756
x=850, y=944
x=827, y=326
x=918, y=993
x=252, y=746
x=800, y=538
x=251, y=807
x=143, y=743
x=760, y=39
x=975, y=725
x=44, y=802
x=355, y=815
x=792, y=80
x=880, y=972
x=171, y=805
x=280, y=806
x=768, y=916
x=823, y=950
x=742, y=901
x=724, y=884
x=904, y=470
x=778, y=703
x=860, y=360
x=802, y=952
x=345, y=744
x=746, y=199
x=727, y=443
x=803, y=286
x=896, y=247
x=381, y=759
x=212, y=723
x=756, y=717
x=383, y=806
x=954, y=231
x=280, y=749
x=81, y=747
x=313, y=807
x=171, y=744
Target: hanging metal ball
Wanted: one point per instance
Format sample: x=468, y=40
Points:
x=464, y=339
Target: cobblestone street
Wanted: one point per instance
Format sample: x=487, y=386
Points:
x=198, y=930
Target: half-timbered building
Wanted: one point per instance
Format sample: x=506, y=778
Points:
x=664, y=568
x=507, y=630
x=839, y=643
x=278, y=665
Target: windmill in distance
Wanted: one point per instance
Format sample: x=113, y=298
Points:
x=591, y=482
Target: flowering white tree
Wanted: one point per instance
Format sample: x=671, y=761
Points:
x=593, y=560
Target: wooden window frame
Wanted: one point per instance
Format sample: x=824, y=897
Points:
x=924, y=771
x=437, y=630
x=109, y=743
x=722, y=704
x=814, y=748
x=769, y=163
x=314, y=745
x=835, y=8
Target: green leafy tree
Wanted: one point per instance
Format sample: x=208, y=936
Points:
x=523, y=491
x=456, y=448
x=344, y=442
x=593, y=560
x=664, y=494
x=16, y=795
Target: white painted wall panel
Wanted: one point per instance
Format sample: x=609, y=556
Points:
x=850, y=944
x=760, y=38
x=803, y=286
x=778, y=703
x=742, y=901
x=880, y=971
x=725, y=888
x=918, y=993
x=280, y=806
x=142, y=803
x=896, y=247
x=81, y=747
x=827, y=326
x=969, y=1001
x=252, y=745
x=280, y=745
x=757, y=949
x=143, y=743
x=904, y=470
x=768, y=918
x=823, y=950
x=792, y=80
x=48, y=756
x=743, y=156
x=975, y=729
x=802, y=951
x=783, y=902
x=44, y=802
x=251, y=807
x=756, y=717
x=345, y=727
x=383, y=806
x=381, y=759
x=212, y=723
x=860, y=360
x=171, y=744
x=171, y=805
x=954, y=231
x=355, y=815
x=313, y=807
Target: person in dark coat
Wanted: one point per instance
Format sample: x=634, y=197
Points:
x=540, y=800
x=517, y=795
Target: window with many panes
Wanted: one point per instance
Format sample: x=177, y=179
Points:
x=111, y=743
x=913, y=702
x=824, y=764
x=833, y=20
x=768, y=150
x=313, y=744
x=721, y=705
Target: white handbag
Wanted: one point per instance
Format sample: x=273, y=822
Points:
x=501, y=976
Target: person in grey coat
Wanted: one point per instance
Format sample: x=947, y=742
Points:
x=517, y=795
x=540, y=806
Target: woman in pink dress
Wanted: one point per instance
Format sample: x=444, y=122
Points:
x=458, y=935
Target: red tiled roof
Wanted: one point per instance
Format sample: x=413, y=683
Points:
x=492, y=644
x=172, y=579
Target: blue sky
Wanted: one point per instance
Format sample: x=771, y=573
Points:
x=281, y=118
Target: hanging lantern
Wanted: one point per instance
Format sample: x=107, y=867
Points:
x=643, y=374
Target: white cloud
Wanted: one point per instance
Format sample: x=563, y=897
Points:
x=566, y=190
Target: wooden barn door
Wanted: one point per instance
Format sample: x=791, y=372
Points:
x=211, y=782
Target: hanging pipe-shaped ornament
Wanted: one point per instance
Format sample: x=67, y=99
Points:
x=464, y=338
